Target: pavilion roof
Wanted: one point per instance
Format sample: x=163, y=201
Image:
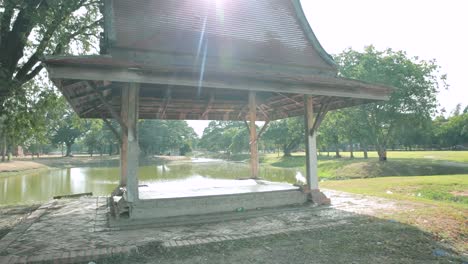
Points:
x=197, y=59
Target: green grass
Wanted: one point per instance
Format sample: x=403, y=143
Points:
x=437, y=204
x=401, y=165
x=449, y=189
x=455, y=156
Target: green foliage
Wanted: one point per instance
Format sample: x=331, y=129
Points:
x=162, y=136
x=225, y=136
x=451, y=132
x=413, y=100
x=30, y=29
x=65, y=127
x=287, y=134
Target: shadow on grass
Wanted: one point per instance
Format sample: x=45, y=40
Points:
x=360, y=239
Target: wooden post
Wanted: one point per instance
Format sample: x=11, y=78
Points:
x=311, y=145
x=129, y=148
x=315, y=195
x=253, y=135
x=124, y=137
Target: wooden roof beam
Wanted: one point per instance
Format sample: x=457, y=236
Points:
x=108, y=107
x=330, y=86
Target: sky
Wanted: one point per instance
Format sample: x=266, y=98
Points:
x=429, y=29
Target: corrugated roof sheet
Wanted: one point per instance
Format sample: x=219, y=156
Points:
x=266, y=31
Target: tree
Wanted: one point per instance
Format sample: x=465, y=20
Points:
x=30, y=29
x=25, y=122
x=161, y=136
x=95, y=137
x=66, y=127
x=416, y=84
x=451, y=132
x=287, y=134
x=331, y=131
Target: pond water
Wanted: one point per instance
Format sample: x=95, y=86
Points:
x=42, y=186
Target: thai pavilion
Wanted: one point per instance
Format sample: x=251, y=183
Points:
x=207, y=60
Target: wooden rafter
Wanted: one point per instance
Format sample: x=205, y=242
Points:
x=291, y=99
x=163, y=107
x=263, y=113
x=108, y=107
x=208, y=107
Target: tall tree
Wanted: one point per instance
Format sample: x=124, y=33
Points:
x=66, y=127
x=288, y=134
x=161, y=136
x=30, y=29
x=416, y=84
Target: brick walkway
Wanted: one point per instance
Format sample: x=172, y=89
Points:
x=76, y=230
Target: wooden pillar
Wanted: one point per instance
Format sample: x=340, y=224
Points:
x=253, y=135
x=311, y=144
x=124, y=139
x=129, y=149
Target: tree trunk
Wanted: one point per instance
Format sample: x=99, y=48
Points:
x=286, y=152
x=68, y=145
x=351, y=150
x=365, y=151
x=382, y=152
x=4, y=147
x=337, y=152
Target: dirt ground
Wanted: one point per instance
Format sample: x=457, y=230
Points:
x=19, y=165
x=57, y=161
x=366, y=240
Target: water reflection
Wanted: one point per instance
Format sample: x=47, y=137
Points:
x=43, y=185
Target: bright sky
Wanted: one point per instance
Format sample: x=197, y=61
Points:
x=430, y=29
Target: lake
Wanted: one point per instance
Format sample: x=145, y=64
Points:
x=42, y=186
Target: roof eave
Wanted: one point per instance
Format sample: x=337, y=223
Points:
x=311, y=35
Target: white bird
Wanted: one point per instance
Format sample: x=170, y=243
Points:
x=300, y=179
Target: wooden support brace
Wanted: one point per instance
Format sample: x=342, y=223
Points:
x=320, y=116
x=163, y=108
x=112, y=128
x=253, y=135
x=263, y=129
x=247, y=125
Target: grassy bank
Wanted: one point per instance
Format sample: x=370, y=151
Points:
x=399, y=164
x=432, y=184
x=439, y=203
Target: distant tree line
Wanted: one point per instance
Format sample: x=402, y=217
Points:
x=408, y=120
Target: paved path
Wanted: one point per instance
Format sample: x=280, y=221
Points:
x=77, y=229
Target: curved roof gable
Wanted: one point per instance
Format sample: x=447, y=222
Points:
x=273, y=32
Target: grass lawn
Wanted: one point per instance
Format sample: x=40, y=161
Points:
x=402, y=164
x=455, y=156
x=440, y=202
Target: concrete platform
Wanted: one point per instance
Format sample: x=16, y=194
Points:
x=75, y=230
x=202, y=186
x=170, y=202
